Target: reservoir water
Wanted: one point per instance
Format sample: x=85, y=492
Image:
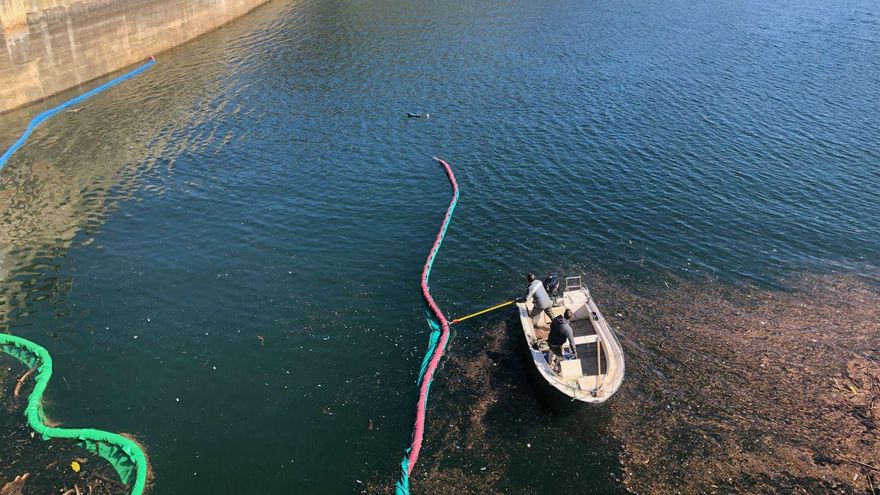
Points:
x=223, y=254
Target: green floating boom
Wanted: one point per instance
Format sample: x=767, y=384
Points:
x=125, y=455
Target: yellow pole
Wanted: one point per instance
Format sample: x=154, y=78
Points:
x=478, y=313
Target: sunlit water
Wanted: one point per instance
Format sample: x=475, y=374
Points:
x=263, y=180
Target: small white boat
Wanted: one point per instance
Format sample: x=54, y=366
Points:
x=598, y=372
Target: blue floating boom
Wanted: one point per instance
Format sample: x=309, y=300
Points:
x=73, y=101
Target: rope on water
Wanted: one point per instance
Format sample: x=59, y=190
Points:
x=436, y=345
x=73, y=101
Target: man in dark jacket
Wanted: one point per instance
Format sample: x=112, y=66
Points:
x=560, y=331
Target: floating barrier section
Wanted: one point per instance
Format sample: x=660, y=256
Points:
x=436, y=345
x=69, y=103
x=125, y=455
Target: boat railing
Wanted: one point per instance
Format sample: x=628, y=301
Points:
x=573, y=283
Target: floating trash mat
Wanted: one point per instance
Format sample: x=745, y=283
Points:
x=740, y=389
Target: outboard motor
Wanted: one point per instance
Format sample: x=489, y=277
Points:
x=551, y=285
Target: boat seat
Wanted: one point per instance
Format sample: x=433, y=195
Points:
x=586, y=339
x=542, y=333
x=569, y=369
x=590, y=382
x=544, y=321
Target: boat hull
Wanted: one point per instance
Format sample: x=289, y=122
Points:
x=550, y=398
x=597, y=371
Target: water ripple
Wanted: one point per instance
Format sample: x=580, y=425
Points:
x=263, y=180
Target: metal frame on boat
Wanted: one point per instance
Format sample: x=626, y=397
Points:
x=598, y=372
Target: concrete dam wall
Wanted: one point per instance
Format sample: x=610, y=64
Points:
x=53, y=45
